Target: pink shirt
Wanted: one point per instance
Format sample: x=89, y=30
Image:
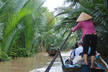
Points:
x=87, y=27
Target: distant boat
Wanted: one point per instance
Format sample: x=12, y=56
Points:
x=52, y=52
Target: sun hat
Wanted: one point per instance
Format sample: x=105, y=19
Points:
x=83, y=17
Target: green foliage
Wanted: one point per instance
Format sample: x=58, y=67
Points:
x=28, y=32
x=22, y=52
x=25, y=28
x=18, y=22
x=96, y=8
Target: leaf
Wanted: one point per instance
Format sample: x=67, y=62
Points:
x=13, y=21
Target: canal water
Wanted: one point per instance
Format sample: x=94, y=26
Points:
x=57, y=66
x=38, y=63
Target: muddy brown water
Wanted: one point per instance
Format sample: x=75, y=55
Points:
x=38, y=63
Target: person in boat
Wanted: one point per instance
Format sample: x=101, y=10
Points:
x=52, y=46
x=76, y=56
x=89, y=36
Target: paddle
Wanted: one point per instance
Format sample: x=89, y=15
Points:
x=58, y=52
x=103, y=61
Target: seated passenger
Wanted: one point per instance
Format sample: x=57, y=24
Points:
x=77, y=53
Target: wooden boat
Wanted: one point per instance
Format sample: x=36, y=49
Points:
x=69, y=69
x=78, y=69
x=52, y=52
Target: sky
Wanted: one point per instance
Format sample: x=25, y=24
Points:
x=51, y=4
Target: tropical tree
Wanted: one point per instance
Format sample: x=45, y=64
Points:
x=25, y=28
x=97, y=9
x=16, y=19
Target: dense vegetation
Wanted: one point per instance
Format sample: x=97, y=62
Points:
x=26, y=27
x=96, y=8
x=17, y=27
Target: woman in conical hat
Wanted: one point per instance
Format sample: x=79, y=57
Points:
x=89, y=36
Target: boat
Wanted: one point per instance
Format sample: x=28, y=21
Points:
x=77, y=68
x=52, y=52
x=71, y=69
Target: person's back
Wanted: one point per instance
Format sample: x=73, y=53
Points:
x=76, y=53
x=87, y=27
x=89, y=36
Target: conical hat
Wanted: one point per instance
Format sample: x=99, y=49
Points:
x=83, y=17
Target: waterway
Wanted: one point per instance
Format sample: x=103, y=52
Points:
x=37, y=63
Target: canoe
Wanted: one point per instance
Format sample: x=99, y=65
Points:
x=52, y=52
x=67, y=68
x=78, y=69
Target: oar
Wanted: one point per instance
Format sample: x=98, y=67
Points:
x=103, y=61
x=58, y=52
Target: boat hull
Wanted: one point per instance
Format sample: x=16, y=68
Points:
x=65, y=69
x=68, y=69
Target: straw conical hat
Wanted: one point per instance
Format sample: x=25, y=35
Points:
x=83, y=17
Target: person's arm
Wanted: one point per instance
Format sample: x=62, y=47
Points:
x=76, y=27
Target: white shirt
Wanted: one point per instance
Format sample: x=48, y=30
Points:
x=77, y=51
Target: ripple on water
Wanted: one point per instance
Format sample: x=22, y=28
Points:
x=57, y=64
x=53, y=69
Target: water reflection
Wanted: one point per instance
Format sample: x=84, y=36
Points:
x=34, y=64
x=31, y=64
x=56, y=66
x=25, y=64
x=53, y=69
